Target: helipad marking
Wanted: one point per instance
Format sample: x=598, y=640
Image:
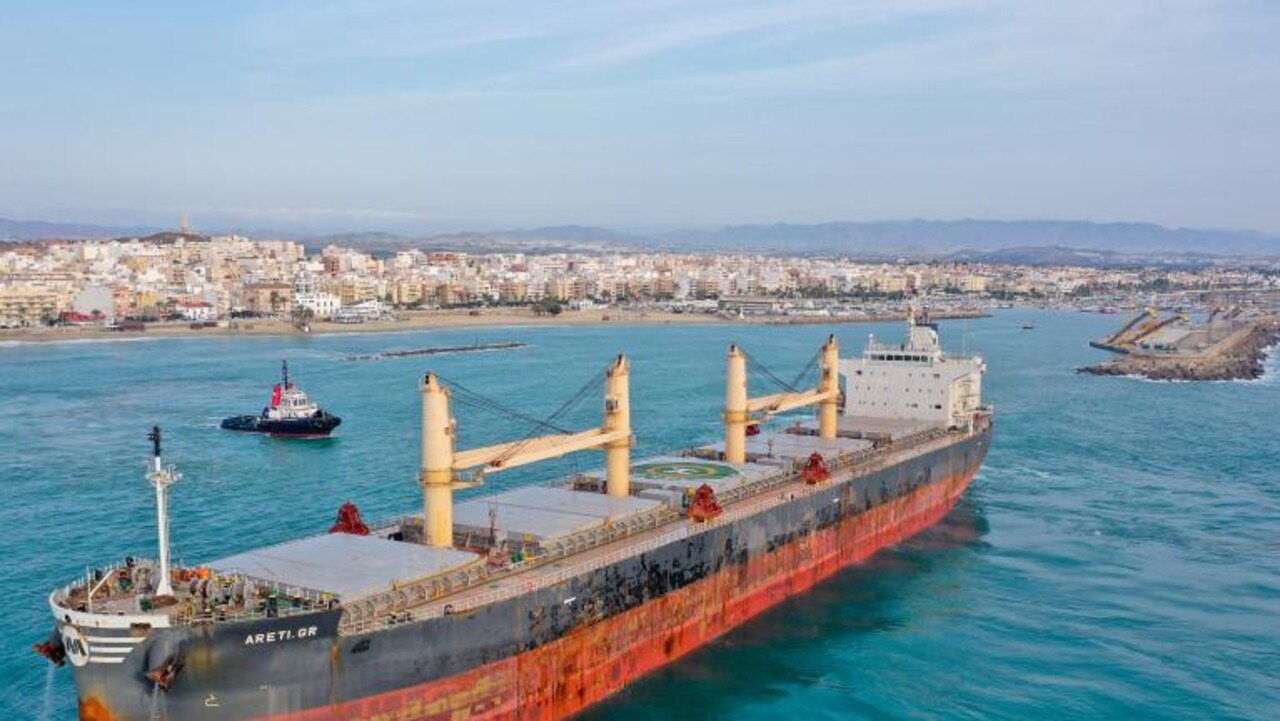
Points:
x=683, y=470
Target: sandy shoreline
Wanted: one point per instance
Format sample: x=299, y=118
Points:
x=422, y=320
x=411, y=321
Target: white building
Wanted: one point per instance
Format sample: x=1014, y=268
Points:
x=323, y=305
x=197, y=310
x=914, y=380
x=360, y=312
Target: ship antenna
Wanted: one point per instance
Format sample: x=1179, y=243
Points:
x=154, y=437
x=162, y=477
x=284, y=372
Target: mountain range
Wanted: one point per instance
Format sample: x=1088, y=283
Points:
x=1043, y=241
x=941, y=237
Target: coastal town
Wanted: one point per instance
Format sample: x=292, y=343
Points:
x=193, y=280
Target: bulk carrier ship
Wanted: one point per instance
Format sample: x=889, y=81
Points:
x=536, y=602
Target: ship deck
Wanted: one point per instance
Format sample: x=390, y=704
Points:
x=518, y=540
x=343, y=565
x=538, y=514
x=769, y=490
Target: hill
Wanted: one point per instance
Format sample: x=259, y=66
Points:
x=933, y=237
x=13, y=230
x=1033, y=241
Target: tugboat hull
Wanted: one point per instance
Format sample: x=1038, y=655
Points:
x=318, y=426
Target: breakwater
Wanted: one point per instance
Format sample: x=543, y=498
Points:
x=442, y=350
x=1240, y=356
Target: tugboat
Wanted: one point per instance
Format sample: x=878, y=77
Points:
x=291, y=414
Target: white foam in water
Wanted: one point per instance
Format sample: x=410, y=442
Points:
x=1270, y=367
x=46, y=714
x=1270, y=373
x=155, y=703
x=82, y=341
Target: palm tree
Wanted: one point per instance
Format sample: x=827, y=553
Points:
x=302, y=317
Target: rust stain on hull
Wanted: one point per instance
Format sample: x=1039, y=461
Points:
x=93, y=709
x=567, y=675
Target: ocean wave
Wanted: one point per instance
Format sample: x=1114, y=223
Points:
x=70, y=341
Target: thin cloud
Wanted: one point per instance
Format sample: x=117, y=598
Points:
x=688, y=33
x=1084, y=47
x=352, y=32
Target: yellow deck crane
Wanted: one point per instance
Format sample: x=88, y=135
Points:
x=739, y=406
x=441, y=462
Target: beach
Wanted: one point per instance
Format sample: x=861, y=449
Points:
x=454, y=318
x=406, y=321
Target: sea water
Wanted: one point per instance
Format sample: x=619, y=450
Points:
x=1117, y=557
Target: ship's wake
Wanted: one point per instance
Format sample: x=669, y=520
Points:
x=46, y=713
x=155, y=704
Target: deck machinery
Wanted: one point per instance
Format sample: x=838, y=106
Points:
x=535, y=602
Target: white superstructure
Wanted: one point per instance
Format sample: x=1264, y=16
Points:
x=324, y=305
x=913, y=380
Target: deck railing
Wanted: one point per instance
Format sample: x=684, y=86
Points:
x=190, y=609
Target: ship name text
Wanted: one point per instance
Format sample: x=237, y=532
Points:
x=286, y=634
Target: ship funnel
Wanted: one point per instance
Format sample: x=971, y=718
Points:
x=437, y=463
x=617, y=417
x=735, y=407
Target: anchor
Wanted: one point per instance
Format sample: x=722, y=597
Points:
x=166, y=673
x=52, y=649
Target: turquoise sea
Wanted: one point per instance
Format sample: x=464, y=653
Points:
x=1118, y=556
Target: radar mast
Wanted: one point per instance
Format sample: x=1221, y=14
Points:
x=162, y=477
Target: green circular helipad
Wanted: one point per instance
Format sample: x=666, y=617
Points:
x=683, y=471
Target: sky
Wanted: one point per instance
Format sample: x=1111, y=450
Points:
x=648, y=115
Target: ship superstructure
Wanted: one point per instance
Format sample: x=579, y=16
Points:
x=531, y=603
x=914, y=380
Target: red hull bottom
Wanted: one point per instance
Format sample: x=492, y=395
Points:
x=573, y=672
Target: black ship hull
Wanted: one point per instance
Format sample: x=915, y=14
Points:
x=317, y=426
